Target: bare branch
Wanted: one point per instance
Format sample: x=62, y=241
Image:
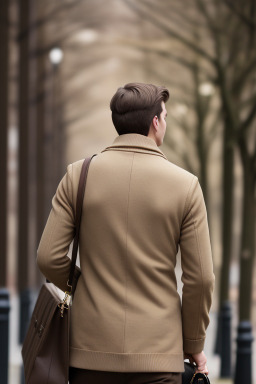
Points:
x=234, y=41
x=249, y=101
x=247, y=122
x=213, y=131
x=58, y=42
x=166, y=54
x=47, y=18
x=178, y=14
x=244, y=18
x=186, y=63
x=210, y=22
x=171, y=32
x=230, y=113
x=240, y=81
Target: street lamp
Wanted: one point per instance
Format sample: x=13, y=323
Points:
x=206, y=89
x=54, y=145
x=56, y=56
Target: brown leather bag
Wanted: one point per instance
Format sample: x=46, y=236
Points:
x=45, y=350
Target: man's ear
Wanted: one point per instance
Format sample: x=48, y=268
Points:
x=155, y=123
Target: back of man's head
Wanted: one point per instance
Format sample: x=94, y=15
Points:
x=134, y=106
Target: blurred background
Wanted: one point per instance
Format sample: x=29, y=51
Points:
x=60, y=64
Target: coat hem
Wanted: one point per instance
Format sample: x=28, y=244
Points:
x=126, y=362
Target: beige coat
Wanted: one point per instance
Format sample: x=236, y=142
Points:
x=138, y=209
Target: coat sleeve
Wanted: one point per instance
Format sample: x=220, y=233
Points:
x=197, y=271
x=57, y=236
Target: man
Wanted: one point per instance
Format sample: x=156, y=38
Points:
x=128, y=325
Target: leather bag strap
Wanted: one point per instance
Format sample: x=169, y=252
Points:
x=79, y=208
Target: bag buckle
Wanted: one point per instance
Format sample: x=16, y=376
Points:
x=65, y=303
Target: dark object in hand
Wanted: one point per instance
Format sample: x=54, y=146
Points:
x=189, y=376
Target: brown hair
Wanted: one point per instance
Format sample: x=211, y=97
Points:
x=134, y=106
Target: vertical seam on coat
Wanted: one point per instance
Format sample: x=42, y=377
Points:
x=201, y=270
x=126, y=251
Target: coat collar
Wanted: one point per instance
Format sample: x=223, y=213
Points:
x=133, y=142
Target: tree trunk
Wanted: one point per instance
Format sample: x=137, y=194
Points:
x=227, y=214
x=203, y=160
x=227, y=183
x=201, y=110
x=247, y=254
x=4, y=7
x=23, y=201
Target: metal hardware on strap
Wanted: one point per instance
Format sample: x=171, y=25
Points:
x=65, y=303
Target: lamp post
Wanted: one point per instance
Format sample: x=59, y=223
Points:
x=54, y=136
x=4, y=293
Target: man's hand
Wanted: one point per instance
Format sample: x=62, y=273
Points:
x=200, y=360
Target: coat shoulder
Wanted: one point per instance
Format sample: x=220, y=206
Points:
x=180, y=173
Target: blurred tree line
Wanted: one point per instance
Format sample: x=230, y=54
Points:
x=216, y=46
